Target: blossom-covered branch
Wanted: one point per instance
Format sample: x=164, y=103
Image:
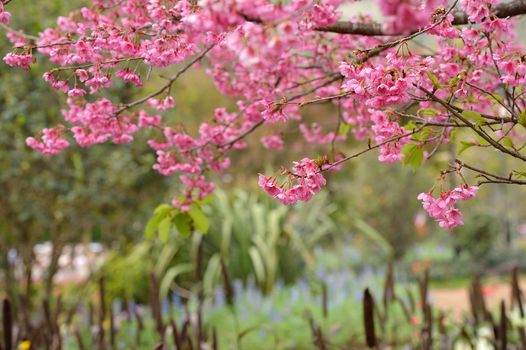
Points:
x=274, y=59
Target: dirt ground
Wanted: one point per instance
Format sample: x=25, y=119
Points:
x=456, y=302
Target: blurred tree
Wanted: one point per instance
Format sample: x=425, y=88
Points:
x=478, y=237
x=382, y=196
x=78, y=196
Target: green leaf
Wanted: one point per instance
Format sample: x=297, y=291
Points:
x=199, y=218
x=434, y=80
x=410, y=126
x=182, y=224
x=170, y=275
x=206, y=200
x=413, y=155
x=151, y=226
x=163, y=210
x=507, y=142
x=422, y=135
x=475, y=116
x=522, y=118
x=164, y=229
x=159, y=214
x=464, y=145
x=454, y=134
x=453, y=82
x=211, y=274
x=427, y=112
x=165, y=258
x=257, y=263
x=343, y=129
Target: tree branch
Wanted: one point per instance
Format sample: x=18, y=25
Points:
x=491, y=178
x=502, y=10
x=473, y=126
x=169, y=84
x=356, y=28
x=372, y=147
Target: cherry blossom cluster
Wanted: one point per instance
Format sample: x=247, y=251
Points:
x=4, y=15
x=22, y=60
x=443, y=208
x=403, y=17
x=478, y=10
x=95, y=122
x=272, y=142
x=314, y=134
x=51, y=142
x=302, y=183
x=385, y=129
x=273, y=58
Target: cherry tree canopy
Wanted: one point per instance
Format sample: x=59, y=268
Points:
x=274, y=57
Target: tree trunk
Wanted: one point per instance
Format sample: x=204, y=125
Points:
x=56, y=251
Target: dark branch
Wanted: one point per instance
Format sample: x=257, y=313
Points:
x=370, y=29
x=491, y=178
x=502, y=10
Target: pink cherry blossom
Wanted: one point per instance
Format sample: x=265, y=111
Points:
x=76, y=92
x=50, y=143
x=130, y=77
x=19, y=60
x=272, y=142
x=162, y=105
x=314, y=134
x=442, y=208
x=305, y=180
x=4, y=15
x=146, y=120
